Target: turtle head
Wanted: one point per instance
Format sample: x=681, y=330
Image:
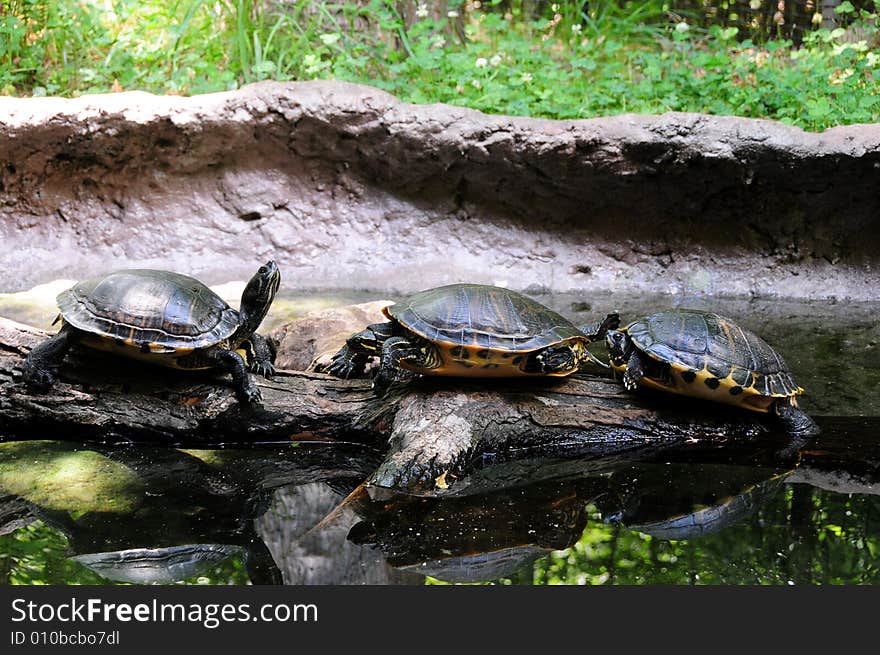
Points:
x=618, y=347
x=258, y=295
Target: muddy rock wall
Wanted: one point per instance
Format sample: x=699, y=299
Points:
x=347, y=187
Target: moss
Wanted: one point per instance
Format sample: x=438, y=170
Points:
x=61, y=476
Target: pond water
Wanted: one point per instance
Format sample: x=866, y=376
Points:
x=755, y=513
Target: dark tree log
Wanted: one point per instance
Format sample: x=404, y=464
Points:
x=98, y=397
x=444, y=429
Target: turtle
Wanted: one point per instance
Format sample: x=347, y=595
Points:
x=707, y=517
x=164, y=565
x=689, y=494
x=164, y=318
x=470, y=330
x=705, y=355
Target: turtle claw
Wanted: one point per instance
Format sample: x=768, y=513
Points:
x=266, y=369
x=342, y=365
x=382, y=381
x=38, y=379
x=341, y=369
x=629, y=383
x=251, y=396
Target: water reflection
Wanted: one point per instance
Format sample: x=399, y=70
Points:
x=276, y=513
x=475, y=538
x=676, y=500
x=163, y=565
x=140, y=514
x=680, y=494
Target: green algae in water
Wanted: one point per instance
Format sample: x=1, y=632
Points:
x=60, y=476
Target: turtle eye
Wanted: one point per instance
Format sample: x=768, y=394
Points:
x=262, y=270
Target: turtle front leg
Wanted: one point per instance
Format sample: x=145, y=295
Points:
x=635, y=371
x=260, y=356
x=351, y=360
x=41, y=366
x=397, y=350
x=233, y=363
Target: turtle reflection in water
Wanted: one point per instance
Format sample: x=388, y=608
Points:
x=470, y=330
x=158, y=565
x=704, y=355
x=676, y=501
x=475, y=538
x=163, y=318
x=694, y=490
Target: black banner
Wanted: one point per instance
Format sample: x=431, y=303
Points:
x=229, y=619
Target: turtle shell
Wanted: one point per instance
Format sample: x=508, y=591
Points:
x=712, y=356
x=157, y=565
x=482, y=331
x=154, y=311
x=482, y=316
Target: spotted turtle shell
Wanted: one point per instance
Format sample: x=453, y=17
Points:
x=482, y=316
x=723, y=355
x=154, y=310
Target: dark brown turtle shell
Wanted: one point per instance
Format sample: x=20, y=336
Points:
x=483, y=316
x=161, y=310
x=716, y=348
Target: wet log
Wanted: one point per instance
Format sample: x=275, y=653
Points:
x=106, y=398
x=437, y=432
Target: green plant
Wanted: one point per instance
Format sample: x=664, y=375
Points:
x=562, y=62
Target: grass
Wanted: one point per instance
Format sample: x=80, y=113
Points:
x=562, y=63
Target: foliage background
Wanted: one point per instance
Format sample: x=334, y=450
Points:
x=811, y=63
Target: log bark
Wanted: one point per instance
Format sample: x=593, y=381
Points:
x=441, y=436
